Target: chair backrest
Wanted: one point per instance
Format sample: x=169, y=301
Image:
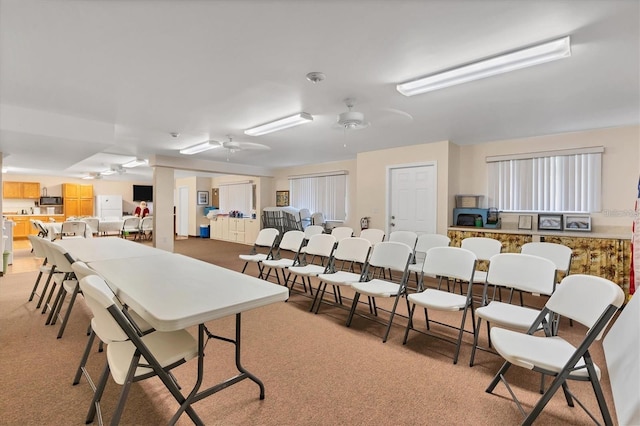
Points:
x=42, y=230
x=353, y=249
x=267, y=237
x=131, y=224
x=99, y=298
x=321, y=245
x=93, y=223
x=340, y=232
x=391, y=255
x=312, y=230
x=373, y=235
x=585, y=298
x=524, y=272
x=58, y=256
x=291, y=240
x=427, y=241
x=483, y=247
x=82, y=270
x=559, y=254
x=450, y=262
x=74, y=228
x=317, y=218
x=305, y=214
x=410, y=238
x=38, y=249
x=146, y=224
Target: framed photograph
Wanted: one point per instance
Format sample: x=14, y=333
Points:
x=203, y=198
x=550, y=222
x=282, y=198
x=525, y=222
x=577, y=222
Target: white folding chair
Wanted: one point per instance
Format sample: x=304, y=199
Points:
x=446, y=263
x=130, y=226
x=93, y=223
x=387, y=255
x=73, y=229
x=513, y=271
x=350, y=254
x=559, y=254
x=320, y=247
x=265, y=241
x=44, y=269
x=291, y=242
x=424, y=243
x=374, y=236
x=484, y=248
x=340, y=232
x=126, y=361
x=146, y=228
x=309, y=232
x=589, y=300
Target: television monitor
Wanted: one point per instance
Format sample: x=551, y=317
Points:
x=142, y=193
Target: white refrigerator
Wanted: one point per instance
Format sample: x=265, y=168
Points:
x=109, y=206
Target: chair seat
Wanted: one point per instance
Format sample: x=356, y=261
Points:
x=280, y=263
x=253, y=257
x=376, y=288
x=438, y=299
x=307, y=270
x=549, y=353
x=70, y=285
x=340, y=278
x=512, y=316
x=45, y=269
x=167, y=347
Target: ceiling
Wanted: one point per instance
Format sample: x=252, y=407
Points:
x=86, y=85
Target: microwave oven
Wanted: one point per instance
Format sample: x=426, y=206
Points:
x=50, y=201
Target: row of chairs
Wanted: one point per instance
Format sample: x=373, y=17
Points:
x=511, y=326
x=112, y=323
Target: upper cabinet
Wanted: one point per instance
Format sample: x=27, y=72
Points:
x=78, y=199
x=30, y=190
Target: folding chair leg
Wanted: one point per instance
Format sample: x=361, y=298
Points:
x=409, y=325
x=496, y=378
x=68, y=313
x=44, y=290
x=35, y=286
x=353, y=308
x=95, y=402
x=115, y=420
x=83, y=360
x=475, y=345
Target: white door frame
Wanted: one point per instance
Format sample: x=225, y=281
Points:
x=182, y=213
x=389, y=170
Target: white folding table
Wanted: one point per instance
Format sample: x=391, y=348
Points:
x=173, y=292
x=93, y=249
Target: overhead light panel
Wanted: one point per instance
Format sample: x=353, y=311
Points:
x=204, y=146
x=539, y=54
x=108, y=172
x=135, y=163
x=283, y=123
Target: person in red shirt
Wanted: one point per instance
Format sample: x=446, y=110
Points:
x=142, y=210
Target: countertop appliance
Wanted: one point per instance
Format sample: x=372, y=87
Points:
x=50, y=201
x=467, y=217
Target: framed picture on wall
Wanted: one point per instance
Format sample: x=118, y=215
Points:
x=203, y=198
x=525, y=222
x=550, y=222
x=577, y=222
x=282, y=198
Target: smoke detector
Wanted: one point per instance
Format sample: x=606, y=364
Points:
x=315, y=77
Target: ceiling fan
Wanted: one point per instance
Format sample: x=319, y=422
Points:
x=235, y=146
x=356, y=120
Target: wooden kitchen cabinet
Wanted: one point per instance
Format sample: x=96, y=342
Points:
x=237, y=230
x=21, y=190
x=77, y=199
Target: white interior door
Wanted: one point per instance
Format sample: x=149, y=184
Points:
x=182, y=212
x=411, y=196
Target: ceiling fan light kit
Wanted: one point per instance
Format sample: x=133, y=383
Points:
x=204, y=146
x=534, y=55
x=281, y=124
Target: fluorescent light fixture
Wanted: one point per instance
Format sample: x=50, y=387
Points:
x=539, y=54
x=204, y=146
x=283, y=123
x=108, y=172
x=88, y=177
x=5, y=170
x=134, y=163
